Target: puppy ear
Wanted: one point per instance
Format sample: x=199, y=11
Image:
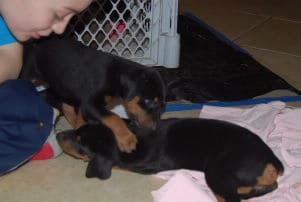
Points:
x=99, y=167
x=128, y=87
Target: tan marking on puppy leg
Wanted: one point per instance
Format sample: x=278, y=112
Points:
x=133, y=107
x=75, y=119
x=108, y=99
x=70, y=114
x=219, y=198
x=269, y=175
x=125, y=138
x=244, y=190
x=111, y=102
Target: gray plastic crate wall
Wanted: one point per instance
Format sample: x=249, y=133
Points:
x=127, y=28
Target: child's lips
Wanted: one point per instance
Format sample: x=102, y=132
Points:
x=40, y=34
x=36, y=35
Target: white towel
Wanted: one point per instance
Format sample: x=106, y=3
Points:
x=278, y=126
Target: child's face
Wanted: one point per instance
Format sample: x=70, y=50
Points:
x=38, y=18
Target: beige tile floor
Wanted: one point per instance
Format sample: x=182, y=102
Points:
x=270, y=30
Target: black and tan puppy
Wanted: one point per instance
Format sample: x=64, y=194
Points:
x=90, y=82
x=237, y=163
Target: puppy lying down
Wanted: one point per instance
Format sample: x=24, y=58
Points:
x=237, y=164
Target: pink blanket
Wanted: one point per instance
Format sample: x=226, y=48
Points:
x=278, y=125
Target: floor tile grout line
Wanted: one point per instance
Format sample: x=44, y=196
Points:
x=286, y=19
x=268, y=18
x=274, y=16
x=270, y=50
x=254, y=14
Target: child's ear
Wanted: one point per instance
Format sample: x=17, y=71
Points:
x=99, y=167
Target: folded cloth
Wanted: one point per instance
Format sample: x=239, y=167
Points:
x=184, y=185
x=280, y=128
x=287, y=136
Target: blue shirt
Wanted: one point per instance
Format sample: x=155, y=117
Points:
x=6, y=37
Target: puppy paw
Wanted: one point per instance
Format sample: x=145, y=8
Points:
x=127, y=142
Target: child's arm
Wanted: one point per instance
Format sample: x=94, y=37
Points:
x=11, y=58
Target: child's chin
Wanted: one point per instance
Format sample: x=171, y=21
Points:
x=30, y=40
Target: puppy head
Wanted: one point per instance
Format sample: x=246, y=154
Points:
x=92, y=143
x=145, y=99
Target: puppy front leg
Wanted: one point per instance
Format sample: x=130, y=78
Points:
x=74, y=118
x=125, y=138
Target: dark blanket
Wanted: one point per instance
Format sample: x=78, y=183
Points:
x=211, y=68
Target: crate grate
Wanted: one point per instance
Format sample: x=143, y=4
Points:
x=128, y=28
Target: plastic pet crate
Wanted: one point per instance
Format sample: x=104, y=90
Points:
x=144, y=31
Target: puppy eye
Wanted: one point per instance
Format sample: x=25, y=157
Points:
x=143, y=102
